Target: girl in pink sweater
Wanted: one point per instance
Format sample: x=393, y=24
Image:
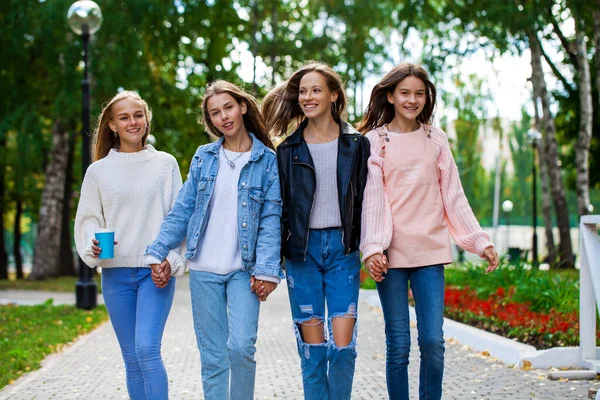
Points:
x=413, y=202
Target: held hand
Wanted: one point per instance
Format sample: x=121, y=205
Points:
x=161, y=273
x=492, y=257
x=377, y=266
x=262, y=288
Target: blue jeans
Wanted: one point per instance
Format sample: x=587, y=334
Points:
x=226, y=325
x=138, y=311
x=326, y=276
x=427, y=285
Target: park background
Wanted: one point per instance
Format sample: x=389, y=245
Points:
x=504, y=70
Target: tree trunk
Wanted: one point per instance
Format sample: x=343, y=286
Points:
x=545, y=185
x=551, y=153
x=582, y=147
x=47, y=244
x=596, y=19
x=17, y=239
x=273, y=52
x=66, y=260
x=3, y=253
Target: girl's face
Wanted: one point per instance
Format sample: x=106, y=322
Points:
x=408, y=98
x=314, y=95
x=226, y=114
x=129, y=121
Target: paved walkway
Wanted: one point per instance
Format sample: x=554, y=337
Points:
x=92, y=367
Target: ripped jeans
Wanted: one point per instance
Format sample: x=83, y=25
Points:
x=327, y=276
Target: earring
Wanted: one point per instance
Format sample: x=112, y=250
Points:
x=115, y=133
x=334, y=108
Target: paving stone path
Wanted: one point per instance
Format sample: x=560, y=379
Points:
x=92, y=367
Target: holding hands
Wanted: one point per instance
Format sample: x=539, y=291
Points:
x=161, y=273
x=262, y=288
x=377, y=265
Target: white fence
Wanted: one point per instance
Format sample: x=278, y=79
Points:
x=589, y=295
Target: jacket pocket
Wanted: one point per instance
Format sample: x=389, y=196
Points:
x=257, y=199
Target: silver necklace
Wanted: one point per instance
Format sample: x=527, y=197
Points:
x=231, y=163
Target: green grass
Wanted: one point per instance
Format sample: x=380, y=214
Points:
x=63, y=284
x=29, y=333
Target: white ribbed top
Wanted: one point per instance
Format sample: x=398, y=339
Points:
x=326, y=209
x=219, y=248
x=130, y=193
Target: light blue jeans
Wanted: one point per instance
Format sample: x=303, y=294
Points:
x=138, y=311
x=326, y=276
x=427, y=286
x=226, y=325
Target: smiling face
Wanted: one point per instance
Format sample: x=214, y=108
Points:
x=408, y=98
x=314, y=96
x=129, y=120
x=227, y=115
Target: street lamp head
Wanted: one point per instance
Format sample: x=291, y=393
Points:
x=84, y=17
x=507, y=206
x=534, y=136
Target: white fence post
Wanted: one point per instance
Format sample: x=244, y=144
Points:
x=589, y=289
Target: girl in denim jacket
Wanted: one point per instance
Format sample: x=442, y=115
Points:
x=229, y=211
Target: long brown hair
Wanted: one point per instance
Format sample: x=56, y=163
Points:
x=253, y=120
x=104, y=137
x=280, y=106
x=380, y=111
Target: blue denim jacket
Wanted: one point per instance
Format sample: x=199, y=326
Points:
x=259, y=209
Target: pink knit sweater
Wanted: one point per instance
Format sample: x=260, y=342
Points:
x=376, y=232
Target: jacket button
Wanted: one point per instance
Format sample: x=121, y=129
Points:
x=295, y=157
x=243, y=204
x=244, y=225
x=355, y=139
x=243, y=183
x=245, y=246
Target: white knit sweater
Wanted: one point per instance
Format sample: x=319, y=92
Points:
x=130, y=193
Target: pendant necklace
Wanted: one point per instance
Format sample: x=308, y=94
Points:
x=231, y=163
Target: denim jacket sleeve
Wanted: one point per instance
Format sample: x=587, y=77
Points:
x=174, y=227
x=268, y=241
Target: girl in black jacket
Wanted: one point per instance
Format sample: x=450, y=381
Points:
x=323, y=171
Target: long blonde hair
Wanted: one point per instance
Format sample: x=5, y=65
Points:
x=253, y=120
x=280, y=106
x=104, y=139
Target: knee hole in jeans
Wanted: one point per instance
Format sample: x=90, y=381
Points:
x=343, y=329
x=311, y=330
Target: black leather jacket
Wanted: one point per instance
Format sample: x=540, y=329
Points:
x=298, y=186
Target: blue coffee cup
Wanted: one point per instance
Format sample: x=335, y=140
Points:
x=106, y=242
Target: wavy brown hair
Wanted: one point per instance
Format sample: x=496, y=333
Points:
x=104, y=138
x=380, y=111
x=253, y=119
x=280, y=106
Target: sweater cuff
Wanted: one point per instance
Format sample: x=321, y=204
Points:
x=89, y=259
x=178, y=263
x=148, y=260
x=481, y=244
x=268, y=278
x=369, y=249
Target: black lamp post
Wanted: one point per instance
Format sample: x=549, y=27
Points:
x=85, y=18
x=534, y=138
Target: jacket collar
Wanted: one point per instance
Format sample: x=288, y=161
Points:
x=258, y=147
x=296, y=137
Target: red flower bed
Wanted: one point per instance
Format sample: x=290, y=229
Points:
x=500, y=315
